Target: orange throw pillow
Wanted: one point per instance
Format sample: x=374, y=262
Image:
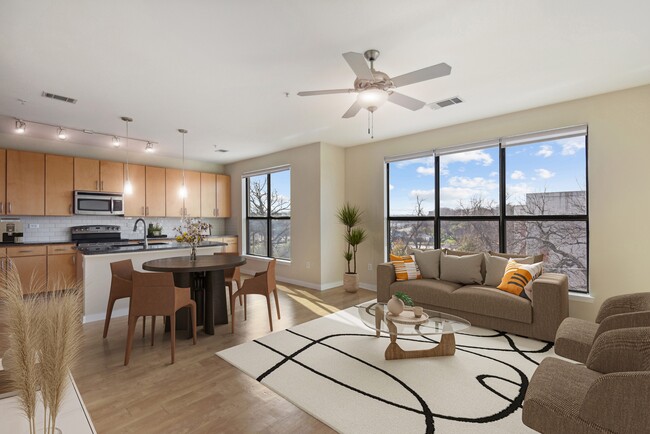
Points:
x=405, y=267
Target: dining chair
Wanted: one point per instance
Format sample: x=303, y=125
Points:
x=263, y=284
x=232, y=275
x=121, y=287
x=155, y=294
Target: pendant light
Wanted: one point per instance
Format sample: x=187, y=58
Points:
x=183, y=189
x=128, y=187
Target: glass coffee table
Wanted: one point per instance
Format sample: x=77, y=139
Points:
x=376, y=316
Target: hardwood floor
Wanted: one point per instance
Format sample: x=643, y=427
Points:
x=200, y=393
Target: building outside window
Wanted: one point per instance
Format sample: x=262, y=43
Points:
x=268, y=213
x=524, y=194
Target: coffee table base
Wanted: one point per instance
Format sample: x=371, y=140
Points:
x=446, y=347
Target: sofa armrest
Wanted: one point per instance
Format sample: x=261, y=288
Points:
x=621, y=350
x=623, y=304
x=550, y=304
x=616, y=402
x=623, y=321
x=385, y=276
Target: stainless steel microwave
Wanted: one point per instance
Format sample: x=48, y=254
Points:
x=98, y=203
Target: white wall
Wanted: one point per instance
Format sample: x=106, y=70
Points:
x=618, y=156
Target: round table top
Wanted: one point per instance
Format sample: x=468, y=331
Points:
x=438, y=323
x=182, y=264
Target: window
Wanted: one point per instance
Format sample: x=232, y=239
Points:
x=524, y=194
x=268, y=214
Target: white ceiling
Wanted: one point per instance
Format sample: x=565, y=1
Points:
x=221, y=68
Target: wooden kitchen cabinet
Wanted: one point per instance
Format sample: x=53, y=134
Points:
x=61, y=271
x=193, y=199
x=25, y=183
x=59, y=184
x=31, y=264
x=86, y=174
x=155, y=199
x=3, y=181
x=173, y=199
x=208, y=195
x=223, y=195
x=111, y=176
x=135, y=203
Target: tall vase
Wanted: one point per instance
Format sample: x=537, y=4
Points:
x=193, y=254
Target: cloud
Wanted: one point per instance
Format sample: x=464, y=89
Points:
x=517, y=192
x=518, y=174
x=545, y=151
x=427, y=171
x=493, y=174
x=422, y=194
x=391, y=187
x=422, y=160
x=475, y=183
x=572, y=145
x=544, y=173
x=480, y=157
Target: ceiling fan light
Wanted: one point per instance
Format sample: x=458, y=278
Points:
x=372, y=97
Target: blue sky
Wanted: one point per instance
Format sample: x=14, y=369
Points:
x=552, y=166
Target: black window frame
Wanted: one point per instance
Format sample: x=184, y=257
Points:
x=502, y=218
x=269, y=218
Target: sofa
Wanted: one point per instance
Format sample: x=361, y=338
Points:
x=482, y=304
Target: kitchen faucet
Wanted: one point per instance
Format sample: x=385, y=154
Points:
x=144, y=228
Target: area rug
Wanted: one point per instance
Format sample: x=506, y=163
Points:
x=334, y=369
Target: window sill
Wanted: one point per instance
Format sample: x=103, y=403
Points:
x=266, y=259
x=584, y=298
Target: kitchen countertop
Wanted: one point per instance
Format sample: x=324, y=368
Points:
x=153, y=246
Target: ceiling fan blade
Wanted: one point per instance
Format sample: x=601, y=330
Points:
x=359, y=65
x=324, y=92
x=352, y=111
x=405, y=101
x=435, y=71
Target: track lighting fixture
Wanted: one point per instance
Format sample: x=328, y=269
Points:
x=20, y=126
x=116, y=141
x=183, y=189
x=148, y=147
x=128, y=187
x=61, y=134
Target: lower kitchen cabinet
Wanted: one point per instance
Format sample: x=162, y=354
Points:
x=61, y=271
x=32, y=271
x=42, y=267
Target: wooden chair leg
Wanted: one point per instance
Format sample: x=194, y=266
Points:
x=232, y=318
x=153, y=328
x=109, y=312
x=268, y=307
x=129, y=339
x=245, y=318
x=277, y=304
x=144, y=324
x=172, y=320
x=230, y=295
x=193, y=314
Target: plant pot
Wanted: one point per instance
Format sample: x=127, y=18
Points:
x=351, y=282
x=395, y=305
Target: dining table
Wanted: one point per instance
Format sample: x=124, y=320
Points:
x=208, y=269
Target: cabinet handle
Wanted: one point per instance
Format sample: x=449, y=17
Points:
x=96, y=185
x=217, y=214
x=102, y=185
x=74, y=259
x=143, y=211
x=2, y=207
x=10, y=208
x=70, y=208
x=146, y=210
x=214, y=212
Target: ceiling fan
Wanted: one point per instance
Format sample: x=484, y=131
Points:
x=375, y=87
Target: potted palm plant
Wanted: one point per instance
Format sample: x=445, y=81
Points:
x=350, y=217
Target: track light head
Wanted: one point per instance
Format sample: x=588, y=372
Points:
x=116, y=141
x=20, y=126
x=148, y=147
x=61, y=134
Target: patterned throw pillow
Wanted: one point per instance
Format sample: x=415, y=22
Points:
x=405, y=267
x=518, y=278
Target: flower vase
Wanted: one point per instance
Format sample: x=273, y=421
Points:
x=193, y=254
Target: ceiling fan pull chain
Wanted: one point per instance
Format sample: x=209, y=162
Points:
x=372, y=124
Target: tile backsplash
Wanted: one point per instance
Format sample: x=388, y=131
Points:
x=55, y=229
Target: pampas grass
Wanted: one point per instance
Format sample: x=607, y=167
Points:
x=45, y=338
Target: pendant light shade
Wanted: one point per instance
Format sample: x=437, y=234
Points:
x=128, y=187
x=183, y=190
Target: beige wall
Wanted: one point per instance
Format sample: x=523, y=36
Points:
x=619, y=152
x=332, y=179
x=60, y=147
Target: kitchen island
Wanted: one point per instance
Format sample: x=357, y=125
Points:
x=95, y=271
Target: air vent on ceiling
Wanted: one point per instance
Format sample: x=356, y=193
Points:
x=445, y=103
x=59, y=97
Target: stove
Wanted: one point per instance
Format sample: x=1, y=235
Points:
x=97, y=238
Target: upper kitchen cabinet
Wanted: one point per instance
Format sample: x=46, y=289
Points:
x=208, y=195
x=96, y=175
x=134, y=203
x=59, y=183
x=155, y=194
x=25, y=183
x=193, y=199
x=223, y=195
x=173, y=199
x=3, y=180
x=111, y=176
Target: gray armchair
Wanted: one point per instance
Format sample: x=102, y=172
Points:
x=575, y=337
x=610, y=394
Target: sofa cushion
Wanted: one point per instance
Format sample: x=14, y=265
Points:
x=574, y=339
x=536, y=258
x=427, y=291
x=489, y=301
x=428, y=261
x=495, y=267
x=464, y=269
x=463, y=253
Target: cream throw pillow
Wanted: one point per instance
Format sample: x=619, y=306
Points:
x=429, y=262
x=462, y=269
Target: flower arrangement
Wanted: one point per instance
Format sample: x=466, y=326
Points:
x=191, y=231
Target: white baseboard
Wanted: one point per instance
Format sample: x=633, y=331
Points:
x=102, y=316
x=368, y=286
x=310, y=285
